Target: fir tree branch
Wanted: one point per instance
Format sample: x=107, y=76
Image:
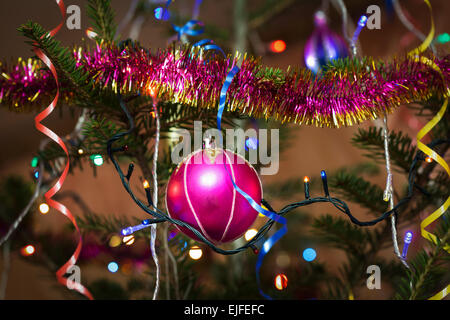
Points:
x=400, y=148
x=425, y=264
x=102, y=17
x=63, y=61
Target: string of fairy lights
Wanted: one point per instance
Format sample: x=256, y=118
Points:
x=254, y=236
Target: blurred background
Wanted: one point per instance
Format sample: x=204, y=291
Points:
x=309, y=150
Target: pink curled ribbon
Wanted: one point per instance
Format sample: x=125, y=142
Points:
x=50, y=193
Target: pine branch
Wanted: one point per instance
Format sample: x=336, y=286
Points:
x=63, y=61
x=358, y=190
x=341, y=234
x=400, y=148
x=427, y=268
x=102, y=17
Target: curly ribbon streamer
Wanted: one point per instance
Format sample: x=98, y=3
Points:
x=428, y=151
x=188, y=27
x=50, y=193
x=271, y=215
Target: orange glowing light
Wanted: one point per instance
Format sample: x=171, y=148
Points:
x=277, y=46
x=151, y=91
x=306, y=179
x=429, y=159
x=281, y=281
x=146, y=184
x=28, y=250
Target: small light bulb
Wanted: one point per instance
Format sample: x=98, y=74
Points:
x=113, y=267
x=44, y=208
x=80, y=151
x=429, y=159
x=195, y=253
x=35, y=162
x=309, y=254
x=114, y=241
x=28, y=250
x=145, y=184
x=97, y=159
x=281, y=281
x=277, y=46
x=250, y=234
x=306, y=179
x=128, y=240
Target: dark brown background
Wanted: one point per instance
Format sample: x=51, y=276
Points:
x=312, y=149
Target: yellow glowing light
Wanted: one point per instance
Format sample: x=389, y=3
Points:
x=151, y=91
x=44, y=208
x=281, y=281
x=115, y=241
x=306, y=179
x=250, y=234
x=128, y=240
x=146, y=184
x=28, y=250
x=195, y=253
x=80, y=151
x=91, y=34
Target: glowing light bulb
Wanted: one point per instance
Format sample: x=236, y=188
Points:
x=44, y=208
x=250, y=234
x=145, y=184
x=429, y=159
x=90, y=33
x=28, y=250
x=306, y=179
x=113, y=267
x=128, y=240
x=80, y=151
x=34, y=162
x=251, y=143
x=195, y=252
x=277, y=46
x=115, y=241
x=97, y=159
x=443, y=38
x=281, y=281
x=309, y=254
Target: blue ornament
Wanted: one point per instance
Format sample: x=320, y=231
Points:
x=324, y=45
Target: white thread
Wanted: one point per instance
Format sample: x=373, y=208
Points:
x=388, y=192
x=155, y=199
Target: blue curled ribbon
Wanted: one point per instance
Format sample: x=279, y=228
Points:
x=208, y=44
x=268, y=244
x=188, y=27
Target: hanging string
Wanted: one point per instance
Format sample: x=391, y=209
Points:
x=155, y=196
x=389, y=192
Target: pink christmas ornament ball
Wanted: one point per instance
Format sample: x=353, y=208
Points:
x=201, y=193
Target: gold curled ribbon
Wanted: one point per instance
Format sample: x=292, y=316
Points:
x=428, y=151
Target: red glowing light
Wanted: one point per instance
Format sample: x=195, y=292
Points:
x=277, y=46
x=281, y=281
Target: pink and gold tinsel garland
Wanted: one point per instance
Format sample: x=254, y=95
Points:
x=345, y=94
